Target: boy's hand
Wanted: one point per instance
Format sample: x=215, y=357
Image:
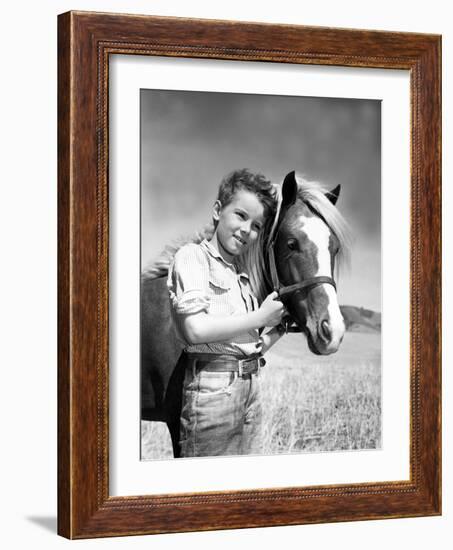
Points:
x=272, y=310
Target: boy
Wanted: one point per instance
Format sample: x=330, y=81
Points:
x=218, y=318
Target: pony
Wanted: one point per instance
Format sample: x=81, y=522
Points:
x=296, y=254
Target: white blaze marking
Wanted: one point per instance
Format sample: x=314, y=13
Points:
x=318, y=233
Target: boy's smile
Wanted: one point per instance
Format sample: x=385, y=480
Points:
x=239, y=224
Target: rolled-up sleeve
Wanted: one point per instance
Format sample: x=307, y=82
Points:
x=188, y=281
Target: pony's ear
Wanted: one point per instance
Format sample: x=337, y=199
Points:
x=289, y=189
x=334, y=194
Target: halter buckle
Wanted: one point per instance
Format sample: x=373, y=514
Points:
x=286, y=324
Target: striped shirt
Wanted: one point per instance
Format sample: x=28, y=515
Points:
x=201, y=280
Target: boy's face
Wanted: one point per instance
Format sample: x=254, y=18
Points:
x=239, y=223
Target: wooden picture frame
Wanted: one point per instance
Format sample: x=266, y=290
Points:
x=85, y=41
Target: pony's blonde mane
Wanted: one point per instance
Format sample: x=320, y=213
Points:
x=160, y=266
x=253, y=262
x=314, y=194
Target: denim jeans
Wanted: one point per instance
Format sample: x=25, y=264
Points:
x=221, y=414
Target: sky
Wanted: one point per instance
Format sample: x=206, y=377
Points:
x=190, y=140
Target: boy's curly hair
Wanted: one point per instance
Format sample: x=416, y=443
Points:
x=244, y=179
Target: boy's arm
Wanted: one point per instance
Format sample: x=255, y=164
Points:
x=202, y=328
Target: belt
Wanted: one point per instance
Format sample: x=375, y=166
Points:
x=214, y=362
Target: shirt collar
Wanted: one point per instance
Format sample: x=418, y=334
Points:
x=216, y=254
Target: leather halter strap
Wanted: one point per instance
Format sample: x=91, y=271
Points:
x=285, y=291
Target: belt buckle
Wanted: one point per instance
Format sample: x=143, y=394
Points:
x=241, y=365
x=259, y=361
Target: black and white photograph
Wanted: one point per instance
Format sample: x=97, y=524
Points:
x=260, y=274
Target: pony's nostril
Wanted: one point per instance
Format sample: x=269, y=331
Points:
x=325, y=330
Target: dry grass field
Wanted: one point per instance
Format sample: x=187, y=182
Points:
x=312, y=403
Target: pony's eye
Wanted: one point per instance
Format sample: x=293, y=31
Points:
x=292, y=244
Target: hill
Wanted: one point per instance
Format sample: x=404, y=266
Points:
x=359, y=319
